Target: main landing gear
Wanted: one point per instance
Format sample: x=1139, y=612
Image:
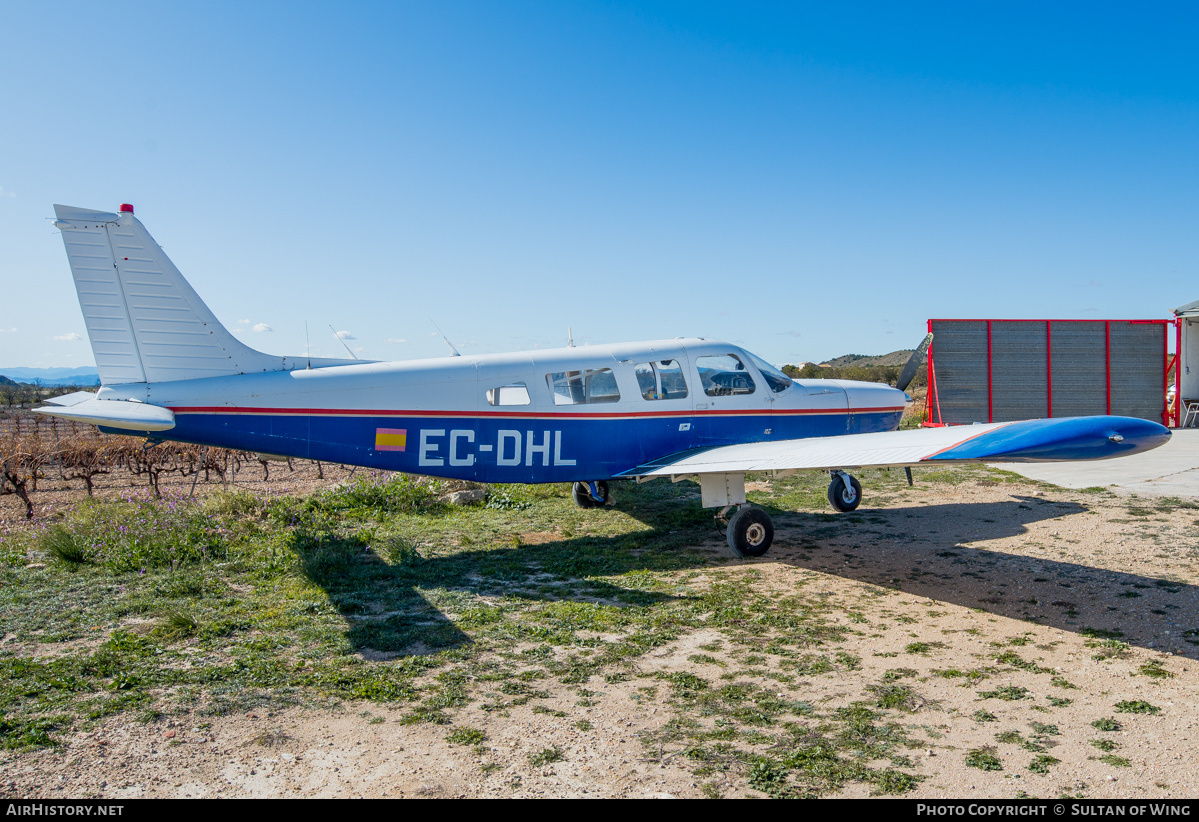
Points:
x=590, y=494
x=748, y=532
x=844, y=492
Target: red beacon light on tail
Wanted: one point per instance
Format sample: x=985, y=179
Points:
x=126, y=207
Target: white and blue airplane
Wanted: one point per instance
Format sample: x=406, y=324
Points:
x=677, y=408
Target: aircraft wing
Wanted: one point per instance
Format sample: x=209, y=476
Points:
x=1054, y=440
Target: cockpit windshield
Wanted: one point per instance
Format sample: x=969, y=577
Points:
x=777, y=380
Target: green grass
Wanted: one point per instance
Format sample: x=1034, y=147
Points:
x=984, y=759
x=1109, y=649
x=178, y=624
x=1008, y=693
x=63, y=546
x=922, y=648
x=545, y=757
x=1154, y=669
x=376, y=592
x=1016, y=661
x=466, y=736
x=895, y=697
x=1137, y=706
x=1041, y=764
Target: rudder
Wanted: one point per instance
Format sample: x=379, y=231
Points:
x=145, y=322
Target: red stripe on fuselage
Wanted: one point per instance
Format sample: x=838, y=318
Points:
x=357, y=412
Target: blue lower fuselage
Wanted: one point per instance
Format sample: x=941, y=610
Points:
x=553, y=447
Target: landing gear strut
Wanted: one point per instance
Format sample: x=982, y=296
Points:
x=844, y=492
x=590, y=494
x=748, y=532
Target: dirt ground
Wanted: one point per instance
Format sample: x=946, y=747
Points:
x=962, y=573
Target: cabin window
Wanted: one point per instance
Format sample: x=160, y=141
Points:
x=724, y=375
x=777, y=380
x=661, y=380
x=581, y=387
x=512, y=394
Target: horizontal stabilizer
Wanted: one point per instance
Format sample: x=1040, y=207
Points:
x=131, y=416
x=73, y=398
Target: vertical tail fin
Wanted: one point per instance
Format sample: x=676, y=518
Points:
x=145, y=322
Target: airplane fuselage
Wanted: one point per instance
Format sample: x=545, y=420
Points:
x=562, y=415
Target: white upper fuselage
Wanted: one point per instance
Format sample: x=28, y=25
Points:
x=460, y=384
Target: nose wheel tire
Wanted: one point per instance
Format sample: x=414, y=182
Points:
x=844, y=492
x=750, y=532
x=584, y=498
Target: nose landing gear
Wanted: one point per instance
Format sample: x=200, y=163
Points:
x=844, y=492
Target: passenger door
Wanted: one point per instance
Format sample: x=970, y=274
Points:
x=731, y=405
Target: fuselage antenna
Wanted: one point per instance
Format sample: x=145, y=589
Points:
x=307, y=346
x=453, y=351
x=570, y=337
x=343, y=342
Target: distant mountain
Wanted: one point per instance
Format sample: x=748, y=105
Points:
x=53, y=376
x=6, y=381
x=894, y=358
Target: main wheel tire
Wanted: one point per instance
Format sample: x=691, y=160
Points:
x=844, y=497
x=581, y=493
x=750, y=532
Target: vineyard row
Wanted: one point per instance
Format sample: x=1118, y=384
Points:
x=33, y=448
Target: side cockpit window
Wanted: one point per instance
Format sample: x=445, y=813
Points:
x=516, y=393
x=661, y=380
x=724, y=375
x=583, y=387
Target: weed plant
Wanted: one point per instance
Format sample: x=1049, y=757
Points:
x=62, y=545
x=984, y=759
x=1136, y=706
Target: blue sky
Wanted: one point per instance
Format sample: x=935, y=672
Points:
x=805, y=181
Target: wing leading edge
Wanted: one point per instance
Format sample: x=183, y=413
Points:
x=1053, y=440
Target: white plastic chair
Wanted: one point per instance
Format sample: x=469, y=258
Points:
x=1191, y=416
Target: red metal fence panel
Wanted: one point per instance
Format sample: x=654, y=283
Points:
x=1002, y=370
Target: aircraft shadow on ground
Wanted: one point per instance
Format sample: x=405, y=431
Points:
x=927, y=551
x=389, y=614
x=921, y=550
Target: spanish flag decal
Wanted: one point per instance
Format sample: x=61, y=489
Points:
x=391, y=439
